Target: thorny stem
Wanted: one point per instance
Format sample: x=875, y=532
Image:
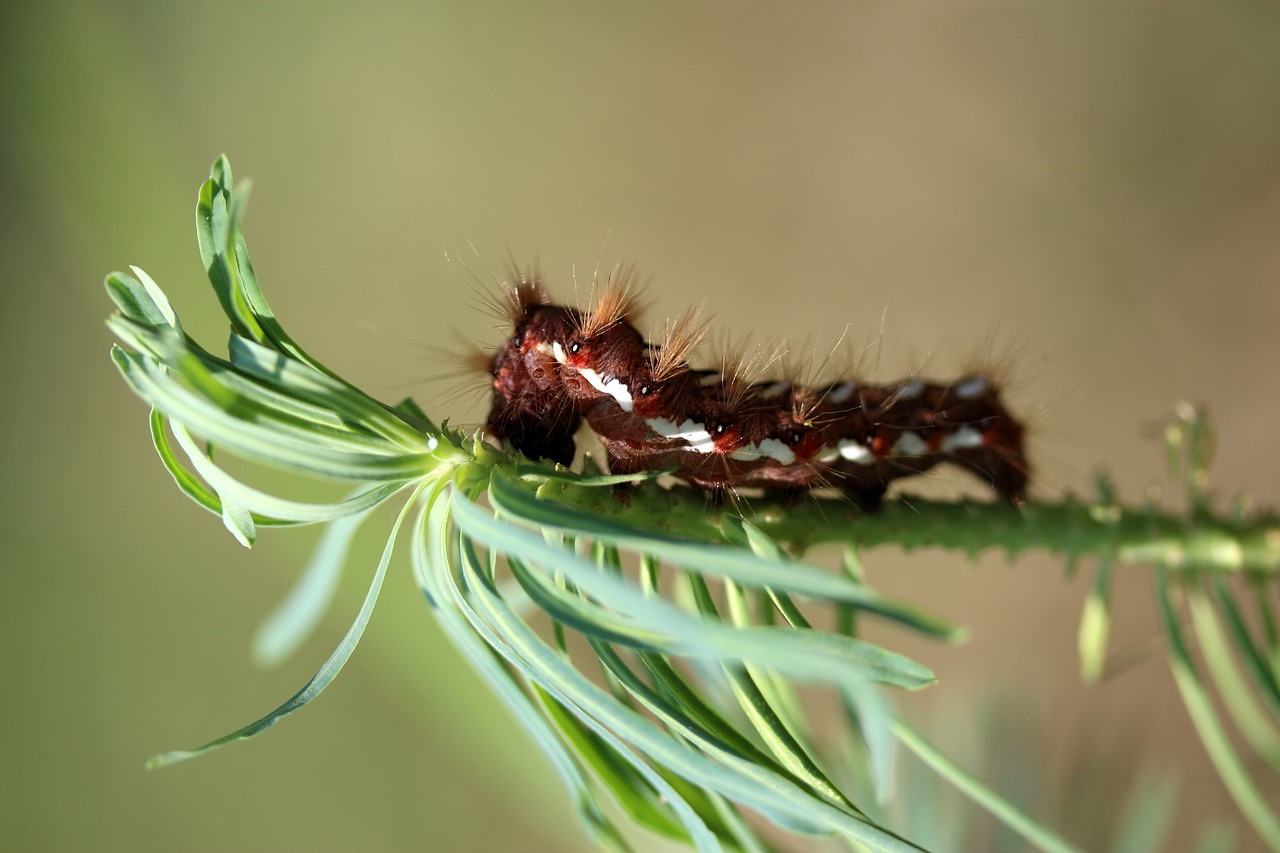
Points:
x=1072, y=528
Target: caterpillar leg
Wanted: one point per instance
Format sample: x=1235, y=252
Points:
x=788, y=496
x=868, y=498
x=717, y=497
x=538, y=442
x=542, y=431
x=621, y=465
x=557, y=448
x=1004, y=469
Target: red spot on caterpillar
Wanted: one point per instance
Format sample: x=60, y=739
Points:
x=719, y=430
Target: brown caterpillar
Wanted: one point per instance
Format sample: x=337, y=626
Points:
x=717, y=429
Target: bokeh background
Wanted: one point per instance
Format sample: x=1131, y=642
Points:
x=1088, y=191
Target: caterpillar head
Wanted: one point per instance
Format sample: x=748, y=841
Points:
x=530, y=407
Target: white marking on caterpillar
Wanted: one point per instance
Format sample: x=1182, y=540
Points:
x=842, y=393
x=964, y=437
x=769, y=448
x=774, y=448
x=690, y=431
x=614, y=388
x=909, y=444
x=708, y=381
x=854, y=451
x=970, y=388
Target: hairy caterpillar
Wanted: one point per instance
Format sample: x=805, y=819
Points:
x=720, y=431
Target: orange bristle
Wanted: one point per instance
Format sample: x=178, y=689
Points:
x=679, y=339
x=504, y=299
x=611, y=301
x=742, y=367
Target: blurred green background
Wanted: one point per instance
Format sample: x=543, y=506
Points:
x=1091, y=191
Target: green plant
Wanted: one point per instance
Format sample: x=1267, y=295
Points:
x=691, y=614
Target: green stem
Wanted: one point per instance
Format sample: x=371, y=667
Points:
x=1071, y=527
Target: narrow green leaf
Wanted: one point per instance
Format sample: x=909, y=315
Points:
x=285, y=629
x=771, y=712
x=1037, y=834
x=1205, y=719
x=135, y=301
x=213, y=232
x=430, y=558
x=1266, y=616
x=775, y=688
x=629, y=788
x=235, y=516
x=847, y=614
x=689, y=721
x=1144, y=824
x=407, y=406
x=738, y=565
x=811, y=655
x=361, y=500
x=748, y=840
x=262, y=443
x=303, y=381
x=867, y=708
x=543, y=474
x=569, y=610
x=1237, y=696
x=873, y=715
x=673, y=698
x=284, y=406
x=1253, y=658
x=328, y=670
x=503, y=629
x=158, y=299
x=222, y=245
x=741, y=781
x=1217, y=836
x=1095, y=623
x=249, y=400
x=237, y=519
x=187, y=482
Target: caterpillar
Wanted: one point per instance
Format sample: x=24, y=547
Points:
x=718, y=429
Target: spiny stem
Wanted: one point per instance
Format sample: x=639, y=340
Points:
x=1071, y=527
